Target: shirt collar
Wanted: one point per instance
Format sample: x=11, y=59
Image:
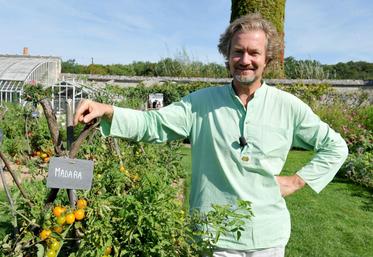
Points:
x=258, y=93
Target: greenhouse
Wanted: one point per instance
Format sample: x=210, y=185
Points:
x=18, y=70
x=63, y=90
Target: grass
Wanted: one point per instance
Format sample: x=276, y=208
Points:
x=338, y=222
x=186, y=163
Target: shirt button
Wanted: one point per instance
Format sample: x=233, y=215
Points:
x=245, y=158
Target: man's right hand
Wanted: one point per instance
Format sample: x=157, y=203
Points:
x=89, y=110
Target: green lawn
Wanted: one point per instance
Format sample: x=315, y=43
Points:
x=337, y=222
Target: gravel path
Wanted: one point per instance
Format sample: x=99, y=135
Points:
x=21, y=171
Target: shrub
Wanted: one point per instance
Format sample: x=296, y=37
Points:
x=304, y=69
x=13, y=126
x=354, y=124
x=359, y=168
x=311, y=94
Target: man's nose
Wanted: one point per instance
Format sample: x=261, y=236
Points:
x=245, y=59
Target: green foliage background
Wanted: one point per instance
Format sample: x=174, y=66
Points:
x=294, y=69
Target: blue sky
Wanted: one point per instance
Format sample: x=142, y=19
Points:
x=329, y=31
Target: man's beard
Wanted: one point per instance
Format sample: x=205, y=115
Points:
x=245, y=80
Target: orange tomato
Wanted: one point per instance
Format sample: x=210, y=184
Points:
x=81, y=203
x=58, y=211
x=58, y=229
x=70, y=218
x=44, y=234
x=79, y=214
x=46, y=159
x=107, y=250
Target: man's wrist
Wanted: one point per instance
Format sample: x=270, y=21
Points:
x=109, y=112
x=298, y=182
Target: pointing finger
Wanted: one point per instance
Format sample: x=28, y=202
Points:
x=80, y=111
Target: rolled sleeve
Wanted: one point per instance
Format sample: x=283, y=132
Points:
x=156, y=126
x=330, y=148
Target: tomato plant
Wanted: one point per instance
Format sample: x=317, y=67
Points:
x=133, y=208
x=61, y=220
x=70, y=218
x=51, y=253
x=79, y=214
x=45, y=233
x=58, y=229
x=81, y=203
x=58, y=211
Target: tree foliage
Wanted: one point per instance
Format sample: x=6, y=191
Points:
x=294, y=69
x=274, y=11
x=165, y=67
x=312, y=69
x=351, y=70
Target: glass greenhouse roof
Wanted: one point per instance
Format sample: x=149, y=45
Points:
x=18, y=68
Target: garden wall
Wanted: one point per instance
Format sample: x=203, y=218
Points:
x=342, y=86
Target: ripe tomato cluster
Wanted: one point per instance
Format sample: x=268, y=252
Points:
x=53, y=244
x=134, y=177
x=63, y=215
x=44, y=156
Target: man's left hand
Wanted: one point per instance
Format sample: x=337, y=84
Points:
x=289, y=184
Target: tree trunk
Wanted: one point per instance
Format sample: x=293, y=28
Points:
x=274, y=11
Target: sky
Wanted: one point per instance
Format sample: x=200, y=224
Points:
x=124, y=31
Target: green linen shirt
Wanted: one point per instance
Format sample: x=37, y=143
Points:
x=222, y=171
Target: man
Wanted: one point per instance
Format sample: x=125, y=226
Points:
x=240, y=134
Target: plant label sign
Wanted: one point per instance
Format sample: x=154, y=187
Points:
x=70, y=173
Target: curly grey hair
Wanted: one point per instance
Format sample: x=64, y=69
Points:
x=251, y=22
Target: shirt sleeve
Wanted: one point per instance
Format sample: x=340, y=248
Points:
x=156, y=126
x=330, y=148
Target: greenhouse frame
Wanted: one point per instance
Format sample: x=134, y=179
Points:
x=16, y=71
x=63, y=90
x=19, y=70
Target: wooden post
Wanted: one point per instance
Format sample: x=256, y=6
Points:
x=18, y=184
x=70, y=141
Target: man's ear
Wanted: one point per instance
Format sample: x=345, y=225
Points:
x=266, y=62
x=227, y=65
